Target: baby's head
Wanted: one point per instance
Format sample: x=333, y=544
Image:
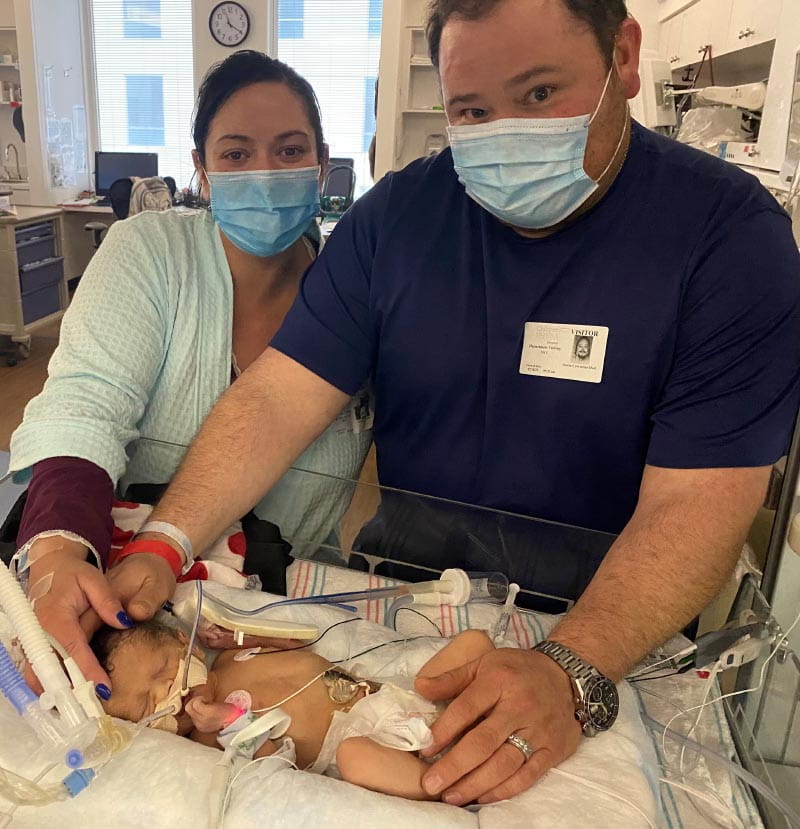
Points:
x=145, y=665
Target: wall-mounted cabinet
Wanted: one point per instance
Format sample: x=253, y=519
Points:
x=50, y=47
x=725, y=25
x=750, y=40
x=411, y=121
x=753, y=22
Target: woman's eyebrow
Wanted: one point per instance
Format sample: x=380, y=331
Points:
x=289, y=133
x=235, y=137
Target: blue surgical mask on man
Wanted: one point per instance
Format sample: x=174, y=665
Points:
x=263, y=212
x=527, y=171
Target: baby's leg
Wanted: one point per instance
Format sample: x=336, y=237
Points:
x=464, y=648
x=388, y=770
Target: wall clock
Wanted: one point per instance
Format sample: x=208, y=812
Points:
x=229, y=23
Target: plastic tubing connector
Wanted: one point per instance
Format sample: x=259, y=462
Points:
x=13, y=685
x=37, y=649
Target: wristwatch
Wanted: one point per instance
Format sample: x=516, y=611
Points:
x=596, y=697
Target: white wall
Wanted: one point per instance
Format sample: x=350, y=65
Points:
x=207, y=51
x=646, y=12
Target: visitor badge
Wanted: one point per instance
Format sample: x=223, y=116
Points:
x=357, y=416
x=362, y=413
x=564, y=352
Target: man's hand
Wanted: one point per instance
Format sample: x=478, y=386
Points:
x=72, y=598
x=506, y=691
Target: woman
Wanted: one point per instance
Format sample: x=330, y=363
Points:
x=171, y=308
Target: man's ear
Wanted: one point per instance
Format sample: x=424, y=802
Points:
x=628, y=45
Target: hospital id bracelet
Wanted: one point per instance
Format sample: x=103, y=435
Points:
x=155, y=548
x=172, y=532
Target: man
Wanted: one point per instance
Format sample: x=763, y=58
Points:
x=583, y=348
x=462, y=282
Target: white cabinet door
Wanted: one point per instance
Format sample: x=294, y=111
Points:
x=695, y=32
x=720, y=25
x=752, y=22
x=669, y=40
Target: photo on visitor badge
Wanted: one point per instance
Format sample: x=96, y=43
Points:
x=564, y=352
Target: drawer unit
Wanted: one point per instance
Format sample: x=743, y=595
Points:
x=38, y=274
x=40, y=286
x=33, y=292
x=29, y=233
x=39, y=304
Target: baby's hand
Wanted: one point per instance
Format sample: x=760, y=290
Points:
x=209, y=717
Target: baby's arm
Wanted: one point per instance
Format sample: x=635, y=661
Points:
x=466, y=647
x=389, y=770
x=210, y=717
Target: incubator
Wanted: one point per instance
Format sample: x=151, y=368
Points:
x=393, y=542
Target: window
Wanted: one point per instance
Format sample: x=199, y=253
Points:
x=145, y=98
x=338, y=54
x=141, y=18
x=145, y=83
x=369, y=111
x=375, y=17
x=290, y=19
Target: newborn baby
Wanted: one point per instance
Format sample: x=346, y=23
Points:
x=361, y=731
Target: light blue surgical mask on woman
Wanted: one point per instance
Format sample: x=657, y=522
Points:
x=527, y=171
x=264, y=212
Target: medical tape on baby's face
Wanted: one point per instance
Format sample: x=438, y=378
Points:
x=41, y=588
x=165, y=718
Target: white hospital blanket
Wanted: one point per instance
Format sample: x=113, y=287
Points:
x=163, y=780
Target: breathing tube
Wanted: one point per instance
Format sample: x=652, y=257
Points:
x=453, y=587
x=69, y=722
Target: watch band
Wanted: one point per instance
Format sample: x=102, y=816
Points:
x=568, y=660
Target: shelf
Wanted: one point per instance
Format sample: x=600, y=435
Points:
x=9, y=66
x=423, y=112
x=421, y=60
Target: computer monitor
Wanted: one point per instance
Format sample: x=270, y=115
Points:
x=108, y=167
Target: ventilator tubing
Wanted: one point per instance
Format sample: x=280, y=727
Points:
x=57, y=689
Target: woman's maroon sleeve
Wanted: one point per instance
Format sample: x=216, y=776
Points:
x=69, y=494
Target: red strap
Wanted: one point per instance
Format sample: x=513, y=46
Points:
x=155, y=548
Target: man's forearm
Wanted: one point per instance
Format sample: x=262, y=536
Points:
x=669, y=562
x=250, y=438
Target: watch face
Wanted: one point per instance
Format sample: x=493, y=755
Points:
x=229, y=24
x=601, y=702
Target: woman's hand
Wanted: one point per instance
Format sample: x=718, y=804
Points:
x=71, y=599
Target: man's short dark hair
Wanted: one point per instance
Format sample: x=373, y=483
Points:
x=603, y=17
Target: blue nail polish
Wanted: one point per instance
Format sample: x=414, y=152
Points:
x=102, y=691
x=125, y=619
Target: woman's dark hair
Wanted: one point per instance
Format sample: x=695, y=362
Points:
x=242, y=69
x=603, y=17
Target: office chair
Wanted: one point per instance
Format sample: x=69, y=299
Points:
x=338, y=186
x=98, y=230
x=120, y=195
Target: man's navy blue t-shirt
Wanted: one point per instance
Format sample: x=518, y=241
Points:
x=688, y=261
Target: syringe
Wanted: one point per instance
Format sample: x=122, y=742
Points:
x=501, y=627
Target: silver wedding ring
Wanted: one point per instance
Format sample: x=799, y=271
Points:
x=523, y=745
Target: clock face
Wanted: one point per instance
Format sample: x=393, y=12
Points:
x=229, y=24
x=602, y=701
